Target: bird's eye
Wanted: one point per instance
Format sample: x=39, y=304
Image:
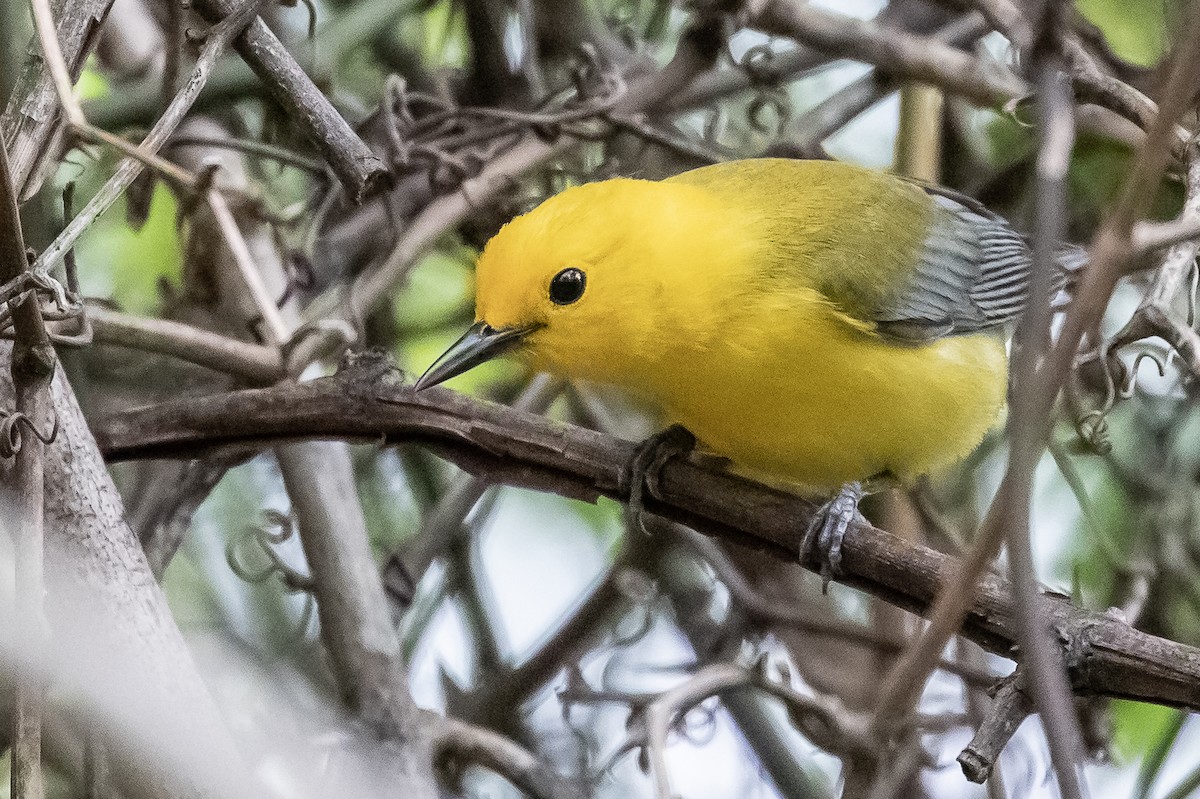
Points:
x=567, y=286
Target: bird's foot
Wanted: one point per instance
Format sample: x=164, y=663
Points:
x=642, y=471
x=827, y=529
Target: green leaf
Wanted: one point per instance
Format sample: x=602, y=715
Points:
x=124, y=265
x=438, y=290
x=1135, y=31
x=91, y=84
x=1138, y=727
x=1157, y=755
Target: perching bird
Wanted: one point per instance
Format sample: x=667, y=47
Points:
x=814, y=322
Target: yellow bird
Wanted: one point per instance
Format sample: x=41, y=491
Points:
x=814, y=322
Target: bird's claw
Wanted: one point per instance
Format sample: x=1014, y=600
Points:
x=827, y=530
x=642, y=471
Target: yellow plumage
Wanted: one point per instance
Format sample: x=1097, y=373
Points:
x=755, y=302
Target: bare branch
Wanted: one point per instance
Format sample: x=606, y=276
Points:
x=459, y=741
x=361, y=172
x=1010, y=706
x=254, y=362
x=900, y=54
x=1106, y=656
x=32, y=118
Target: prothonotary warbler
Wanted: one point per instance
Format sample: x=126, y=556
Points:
x=812, y=321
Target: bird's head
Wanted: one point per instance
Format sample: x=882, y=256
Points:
x=584, y=284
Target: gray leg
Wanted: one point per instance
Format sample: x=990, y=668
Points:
x=827, y=529
x=648, y=459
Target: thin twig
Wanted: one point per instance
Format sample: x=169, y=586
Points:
x=47, y=33
x=1041, y=659
x=277, y=331
x=252, y=147
x=127, y=171
x=459, y=741
x=254, y=362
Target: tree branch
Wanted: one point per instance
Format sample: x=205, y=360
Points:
x=899, y=53
x=254, y=362
x=32, y=367
x=458, y=740
x=359, y=169
x=32, y=117
x=1104, y=655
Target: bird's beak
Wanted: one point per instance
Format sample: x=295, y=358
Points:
x=480, y=343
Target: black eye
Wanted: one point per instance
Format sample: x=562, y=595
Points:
x=567, y=286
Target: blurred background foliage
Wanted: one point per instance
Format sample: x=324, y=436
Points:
x=525, y=562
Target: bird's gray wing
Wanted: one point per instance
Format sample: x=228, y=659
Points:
x=973, y=275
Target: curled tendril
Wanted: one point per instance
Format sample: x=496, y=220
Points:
x=698, y=726
x=644, y=624
x=1013, y=110
x=758, y=64
x=1093, y=430
x=1092, y=427
x=276, y=528
x=311, y=30
x=49, y=285
x=12, y=438
x=1130, y=386
x=571, y=696
x=775, y=102
x=67, y=303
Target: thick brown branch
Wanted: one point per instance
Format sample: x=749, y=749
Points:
x=1104, y=654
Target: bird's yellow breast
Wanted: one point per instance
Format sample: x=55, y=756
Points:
x=820, y=403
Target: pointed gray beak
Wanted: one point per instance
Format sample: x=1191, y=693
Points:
x=480, y=343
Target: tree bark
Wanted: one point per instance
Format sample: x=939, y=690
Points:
x=115, y=649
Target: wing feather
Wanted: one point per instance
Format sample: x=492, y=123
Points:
x=973, y=275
